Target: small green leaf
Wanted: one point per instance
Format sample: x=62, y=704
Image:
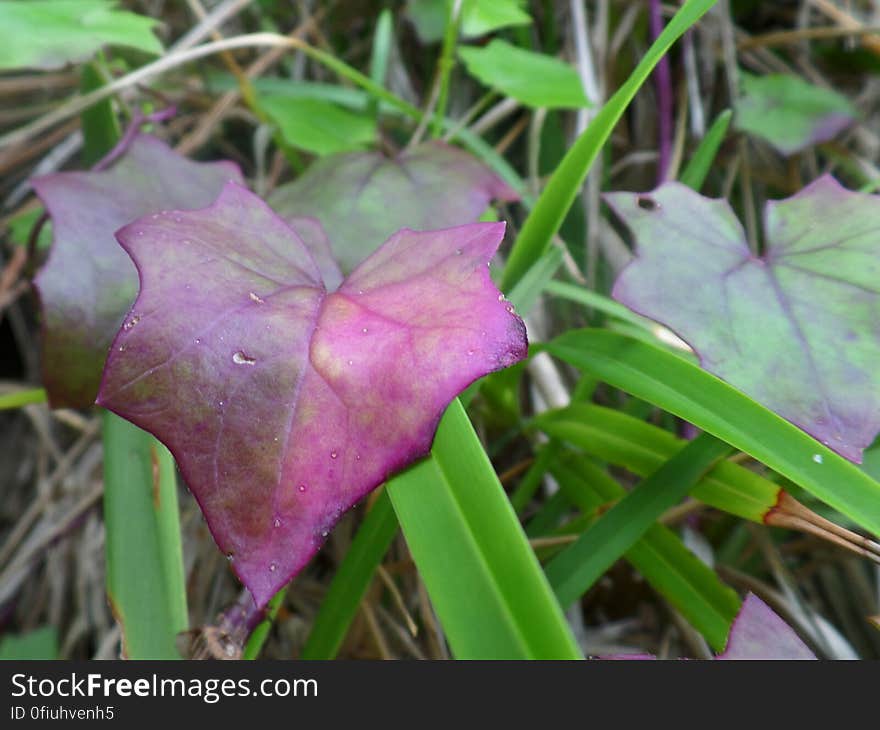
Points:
x=534, y=79
x=319, y=126
x=47, y=34
x=790, y=113
x=480, y=17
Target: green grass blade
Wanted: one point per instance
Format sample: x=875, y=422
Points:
x=379, y=56
x=99, y=124
x=711, y=404
x=697, y=169
x=660, y=556
x=352, y=580
x=261, y=632
x=527, y=290
x=22, y=398
x=597, y=301
x=145, y=581
x=481, y=574
x=445, y=65
x=623, y=440
x=562, y=188
x=577, y=567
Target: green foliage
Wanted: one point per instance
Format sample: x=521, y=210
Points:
x=40, y=643
x=483, y=578
x=145, y=584
x=479, y=17
x=319, y=126
x=561, y=190
x=577, y=567
x=790, y=113
x=686, y=390
x=534, y=79
x=47, y=34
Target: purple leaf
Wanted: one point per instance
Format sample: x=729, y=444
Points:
x=790, y=113
x=758, y=633
x=362, y=198
x=795, y=329
x=283, y=404
x=88, y=283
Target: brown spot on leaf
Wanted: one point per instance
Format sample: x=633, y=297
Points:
x=117, y=616
x=648, y=203
x=157, y=477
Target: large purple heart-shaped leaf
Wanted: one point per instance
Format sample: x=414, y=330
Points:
x=797, y=328
x=285, y=404
x=89, y=283
x=362, y=198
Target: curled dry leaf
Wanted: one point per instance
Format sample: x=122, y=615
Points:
x=89, y=282
x=796, y=328
x=285, y=404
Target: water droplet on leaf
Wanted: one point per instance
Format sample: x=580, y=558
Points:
x=239, y=358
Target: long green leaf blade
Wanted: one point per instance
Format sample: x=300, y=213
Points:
x=577, y=567
x=145, y=582
x=711, y=404
x=697, y=169
x=352, y=580
x=623, y=440
x=481, y=574
x=660, y=556
x=562, y=188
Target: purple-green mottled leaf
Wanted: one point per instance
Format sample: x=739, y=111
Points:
x=790, y=113
x=89, y=282
x=284, y=404
x=797, y=328
x=758, y=633
x=362, y=198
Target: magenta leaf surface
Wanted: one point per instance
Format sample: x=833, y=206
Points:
x=285, y=404
x=89, y=282
x=758, y=633
x=361, y=198
x=797, y=328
